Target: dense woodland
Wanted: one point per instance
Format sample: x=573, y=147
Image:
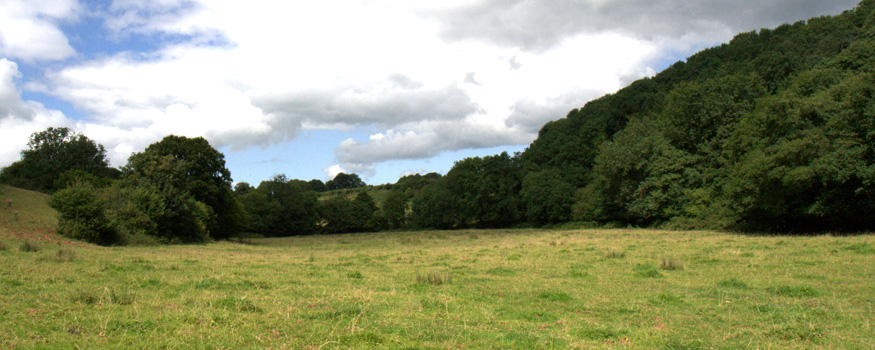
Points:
x=774, y=131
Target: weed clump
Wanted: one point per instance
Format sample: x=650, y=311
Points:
x=555, y=296
x=646, y=271
x=732, y=283
x=3, y=247
x=671, y=264
x=109, y=296
x=61, y=255
x=28, y=247
x=615, y=254
x=239, y=305
x=355, y=275
x=86, y=296
x=795, y=291
x=435, y=278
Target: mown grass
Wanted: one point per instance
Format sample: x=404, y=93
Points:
x=422, y=290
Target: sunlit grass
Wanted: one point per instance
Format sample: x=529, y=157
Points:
x=502, y=289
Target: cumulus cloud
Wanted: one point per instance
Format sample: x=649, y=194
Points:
x=29, y=30
x=530, y=115
x=431, y=139
x=385, y=106
x=422, y=77
x=18, y=118
x=539, y=25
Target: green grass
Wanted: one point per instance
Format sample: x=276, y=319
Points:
x=435, y=290
x=506, y=289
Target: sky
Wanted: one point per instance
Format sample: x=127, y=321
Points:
x=380, y=88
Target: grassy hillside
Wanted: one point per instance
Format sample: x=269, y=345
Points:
x=526, y=289
x=26, y=215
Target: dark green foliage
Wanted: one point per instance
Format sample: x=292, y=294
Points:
x=280, y=207
x=486, y=191
x=772, y=132
x=317, y=185
x=344, y=181
x=342, y=215
x=546, y=197
x=394, y=209
x=53, y=152
x=187, y=171
x=82, y=215
x=416, y=182
x=242, y=188
x=434, y=206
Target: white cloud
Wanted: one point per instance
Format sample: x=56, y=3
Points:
x=18, y=118
x=29, y=29
x=422, y=77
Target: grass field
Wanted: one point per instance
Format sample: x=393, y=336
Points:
x=527, y=289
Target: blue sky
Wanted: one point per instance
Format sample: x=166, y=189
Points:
x=381, y=88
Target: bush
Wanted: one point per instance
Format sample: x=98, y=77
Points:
x=82, y=215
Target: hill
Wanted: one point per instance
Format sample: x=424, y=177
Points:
x=772, y=131
x=26, y=215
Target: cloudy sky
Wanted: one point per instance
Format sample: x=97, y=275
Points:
x=381, y=88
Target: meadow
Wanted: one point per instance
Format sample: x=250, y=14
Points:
x=526, y=289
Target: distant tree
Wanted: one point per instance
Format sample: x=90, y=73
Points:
x=342, y=215
x=394, y=209
x=435, y=206
x=345, y=181
x=416, y=182
x=180, y=166
x=317, y=185
x=280, y=207
x=546, y=197
x=242, y=188
x=53, y=152
x=487, y=189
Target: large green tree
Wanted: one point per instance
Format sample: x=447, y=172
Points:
x=180, y=166
x=53, y=152
x=344, y=181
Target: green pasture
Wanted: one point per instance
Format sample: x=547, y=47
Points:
x=526, y=289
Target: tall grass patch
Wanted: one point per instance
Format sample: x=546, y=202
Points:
x=671, y=264
x=435, y=278
x=28, y=247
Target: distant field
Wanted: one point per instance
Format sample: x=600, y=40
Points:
x=527, y=289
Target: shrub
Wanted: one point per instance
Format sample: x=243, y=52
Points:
x=82, y=215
